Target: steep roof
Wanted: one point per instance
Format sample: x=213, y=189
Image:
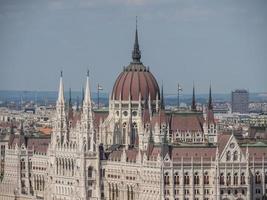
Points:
x=185, y=123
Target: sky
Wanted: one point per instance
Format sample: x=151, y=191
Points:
x=222, y=42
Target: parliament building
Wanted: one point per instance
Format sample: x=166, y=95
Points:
x=135, y=150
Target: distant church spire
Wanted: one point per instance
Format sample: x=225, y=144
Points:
x=193, y=106
x=210, y=107
x=60, y=99
x=136, y=53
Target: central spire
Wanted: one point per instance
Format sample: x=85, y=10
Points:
x=136, y=53
x=210, y=107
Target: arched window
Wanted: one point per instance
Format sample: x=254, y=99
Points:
x=228, y=156
x=124, y=126
x=166, y=178
x=113, y=192
x=109, y=189
x=257, y=178
x=176, y=179
x=22, y=164
x=221, y=179
x=117, y=191
x=186, y=179
x=228, y=179
x=128, y=193
x=235, y=156
x=235, y=179
x=196, y=179
x=134, y=133
x=132, y=193
x=243, y=179
x=206, y=178
x=90, y=172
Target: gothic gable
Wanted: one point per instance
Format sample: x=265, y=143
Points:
x=232, y=151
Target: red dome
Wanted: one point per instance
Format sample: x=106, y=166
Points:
x=133, y=80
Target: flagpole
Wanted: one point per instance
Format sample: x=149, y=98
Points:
x=98, y=96
x=178, y=97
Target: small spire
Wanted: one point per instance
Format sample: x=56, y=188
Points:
x=87, y=97
x=193, y=106
x=82, y=98
x=70, y=114
x=210, y=107
x=136, y=53
x=61, y=89
x=162, y=105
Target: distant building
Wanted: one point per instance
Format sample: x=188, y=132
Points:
x=240, y=101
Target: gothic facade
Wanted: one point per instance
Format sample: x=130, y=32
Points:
x=136, y=150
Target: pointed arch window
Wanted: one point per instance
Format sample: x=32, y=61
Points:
x=206, y=178
x=228, y=156
x=134, y=132
x=196, y=179
x=235, y=157
x=186, y=179
x=257, y=178
x=166, y=178
x=228, y=179
x=124, y=127
x=176, y=179
x=235, y=179
x=242, y=179
x=222, y=179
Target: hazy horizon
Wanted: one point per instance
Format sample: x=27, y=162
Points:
x=223, y=43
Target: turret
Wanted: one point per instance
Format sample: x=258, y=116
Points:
x=87, y=119
x=60, y=129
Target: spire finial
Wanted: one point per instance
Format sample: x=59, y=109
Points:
x=87, y=72
x=136, y=53
x=61, y=73
x=210, y=107
x=193, y=106
x=136, y=22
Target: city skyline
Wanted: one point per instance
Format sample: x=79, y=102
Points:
x=177, y=42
